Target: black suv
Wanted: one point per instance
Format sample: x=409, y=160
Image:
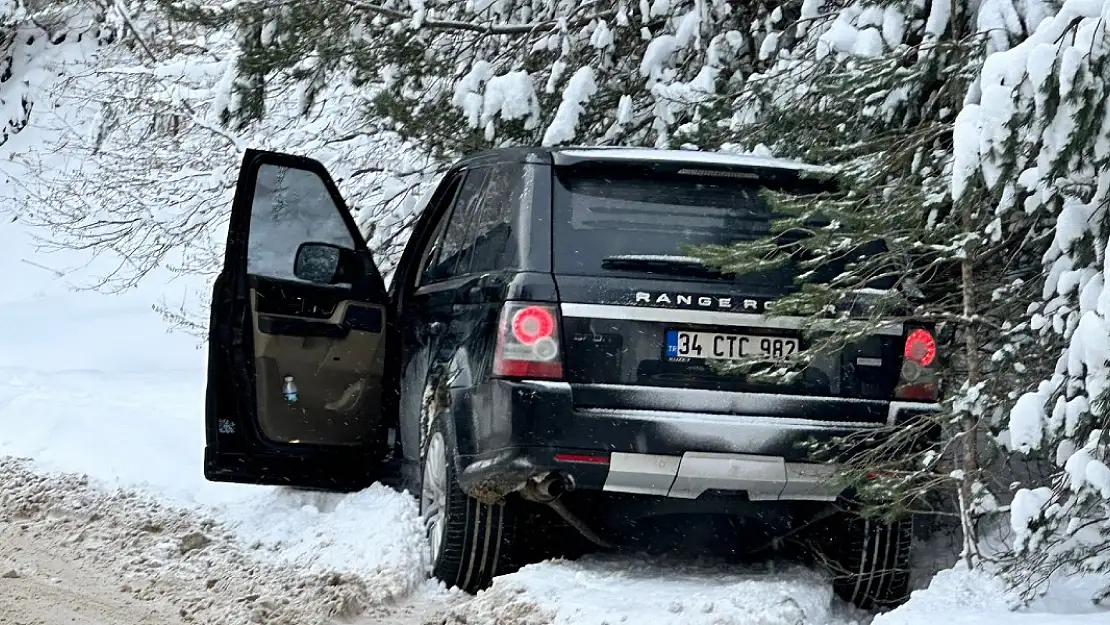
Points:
x=545, y=348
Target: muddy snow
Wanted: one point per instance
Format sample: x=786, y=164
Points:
x=75, y=550
x=70, y=550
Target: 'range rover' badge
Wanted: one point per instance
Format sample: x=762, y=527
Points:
x=703, y=302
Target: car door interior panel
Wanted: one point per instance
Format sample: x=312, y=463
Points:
x=337, y=376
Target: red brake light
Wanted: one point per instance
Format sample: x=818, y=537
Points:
x=528, y=342
x=921, y=347
x=532, y=324
x=918, y=379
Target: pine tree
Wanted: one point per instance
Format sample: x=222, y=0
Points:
x=1046, y=102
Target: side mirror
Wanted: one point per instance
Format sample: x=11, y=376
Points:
x=322, y=263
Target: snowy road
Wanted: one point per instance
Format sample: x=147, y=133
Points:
x=73, y=551
x=42, y=585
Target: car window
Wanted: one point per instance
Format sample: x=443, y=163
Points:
x=459, y=227
x=443, y=208
x=625, y=219
x=492, y=245
x=291, y=206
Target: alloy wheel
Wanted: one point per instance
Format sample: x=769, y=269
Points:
x=433, y=493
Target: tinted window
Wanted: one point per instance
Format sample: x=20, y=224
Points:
x=430, y=253
x=493, y=246
x=459, y=228
x=605, y=217
x=290, y=207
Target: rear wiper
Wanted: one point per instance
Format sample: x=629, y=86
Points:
x=660, y=263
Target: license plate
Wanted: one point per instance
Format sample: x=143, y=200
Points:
x=714, y=346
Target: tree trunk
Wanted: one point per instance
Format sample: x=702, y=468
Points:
x=969, y=421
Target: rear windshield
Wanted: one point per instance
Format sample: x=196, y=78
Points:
x=607, y=220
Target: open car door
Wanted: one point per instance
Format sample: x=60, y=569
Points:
x=297, y=337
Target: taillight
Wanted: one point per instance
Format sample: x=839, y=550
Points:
x=921, y=347
x=528, y=342
x=918, y=378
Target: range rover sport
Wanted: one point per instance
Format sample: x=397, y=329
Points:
x=545, y=345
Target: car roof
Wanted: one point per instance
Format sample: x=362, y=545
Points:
x=575, y=155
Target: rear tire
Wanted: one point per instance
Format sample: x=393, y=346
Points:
x=471, y=542
x=870, y=560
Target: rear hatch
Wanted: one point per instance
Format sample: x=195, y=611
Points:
x=638, y=310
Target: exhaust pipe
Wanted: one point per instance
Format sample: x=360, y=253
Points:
x=547, y=489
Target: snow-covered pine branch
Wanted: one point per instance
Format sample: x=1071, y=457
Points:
x=419, y=19
x=1042, y=140
x=459, y=76
x=30, y=35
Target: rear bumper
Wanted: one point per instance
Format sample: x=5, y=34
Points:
x=517, y=430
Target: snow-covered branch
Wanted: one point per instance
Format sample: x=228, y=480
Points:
x=418, y=19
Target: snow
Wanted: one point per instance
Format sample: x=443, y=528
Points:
x=1084, y=469
x=468, y=92
x=939, y=16
x=659, y=7
x=483, y=97
x=512, y=96
x=961, y=597
x=419, y=12
x=94, y=384
x=602, y=37
x=624, y=110
x=869, y=43
x=769, y=46
x=579, y=89
x=1026, y=507
x=692, y=157
x=658, y=51
x=629, y=589
x=1027, y=418
x=894, y=26
x=687, y=29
